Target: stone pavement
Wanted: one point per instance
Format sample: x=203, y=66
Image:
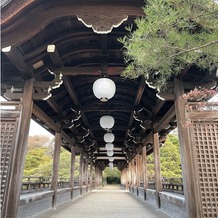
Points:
x=107, y=202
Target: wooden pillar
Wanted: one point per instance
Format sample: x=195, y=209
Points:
x=81, y=168
x=72, y=170
x=96, y=175
x=144, y=168
x=56, y=160
x=87, y=174
x=189, y=180
x=101, y=173
x=134, y=171
x=12, y=201
x=127, y=178
x=138, y=170
x=158, y=183
x=130, y=174
x=91, y=179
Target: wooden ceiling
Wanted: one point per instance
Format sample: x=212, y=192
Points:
x=82, y=56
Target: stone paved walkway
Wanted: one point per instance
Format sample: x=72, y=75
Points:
x=107, y=202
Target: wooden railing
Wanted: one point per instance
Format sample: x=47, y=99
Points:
x=34, y=183
x=41, y=182
x=170, y=184
x=173, y=185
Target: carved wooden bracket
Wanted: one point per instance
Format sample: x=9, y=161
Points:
x=41, y=91
x=102, y=23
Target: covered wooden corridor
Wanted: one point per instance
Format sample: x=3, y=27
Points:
x=52, y=53
x=107, y=202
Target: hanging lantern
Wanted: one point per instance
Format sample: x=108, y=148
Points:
x=110, y=153
x=104, y=89
x=107, y=122
x=109, y=146
x=109, y=137
x=111, y=159
x=111, y=164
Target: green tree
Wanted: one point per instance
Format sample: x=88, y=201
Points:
x=111, y=176
x=150, y=165
x=39, y=158
x=34, y=159
x=172, y=35
x=37, y=155
x=169, y=158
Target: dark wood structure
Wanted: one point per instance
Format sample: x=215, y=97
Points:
x=71, y=112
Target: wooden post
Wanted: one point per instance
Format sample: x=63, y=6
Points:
x=193, y=204
x=127, y=178
x=144, y=167
x=72, y=170
x=100, y=173
x=10, y=208
x=96, y=176
x=91, y=171
x=56, y=160
x=134, y=171
x=138, y=169
x=130, y=174
x=81, y=168
x=87, y=174
x=158, y=183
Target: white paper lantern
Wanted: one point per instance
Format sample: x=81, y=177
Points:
x=107, y=122
x=109, y=137
x=111, y=164
x=104, y=89
x=110, y=153
x=111, y=159
x=109, y=146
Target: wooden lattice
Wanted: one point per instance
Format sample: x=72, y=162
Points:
x=206, y=145
x=8, y=125
x=204, y=133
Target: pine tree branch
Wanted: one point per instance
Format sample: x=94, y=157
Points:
x=195, y=48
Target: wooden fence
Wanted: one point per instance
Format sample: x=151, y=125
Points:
x=169, y=184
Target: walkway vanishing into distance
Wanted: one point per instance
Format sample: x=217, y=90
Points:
x=108, y=202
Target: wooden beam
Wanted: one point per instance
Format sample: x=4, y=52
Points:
x=55, y=57
x=75, y=100
x=89, y=71
x=44, y=118
x=165, y=120
x=16, y=59
x=69, y=87
x=140, y=91
x=27, y=72
x=159, y=126
x=19, y=153
x=138, y=97
x=51, y=124
x=45, y=13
